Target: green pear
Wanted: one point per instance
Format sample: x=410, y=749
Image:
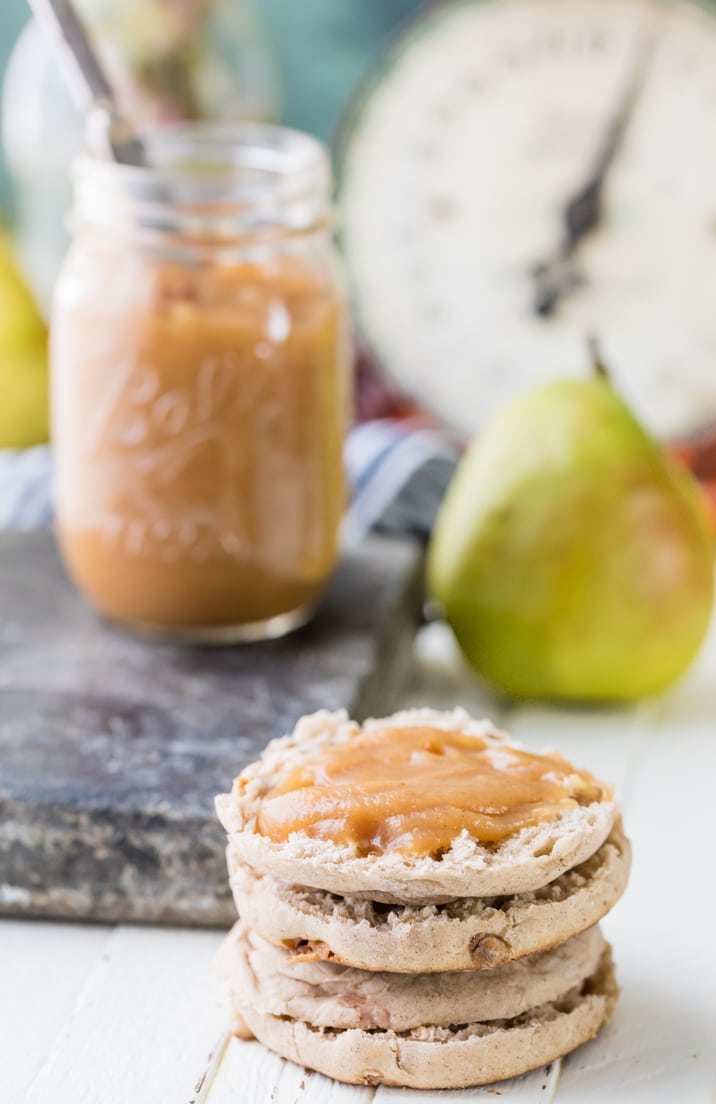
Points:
x=573, y=558
x=23, y=359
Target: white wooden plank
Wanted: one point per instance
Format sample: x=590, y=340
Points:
x=654, y=1052
x=202, y=1088
x=660, y=1047
x=144, y=1024
x=324, y=1090
x=251, y=1074
x=42, y=970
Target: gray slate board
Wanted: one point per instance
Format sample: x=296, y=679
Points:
x=113, y=747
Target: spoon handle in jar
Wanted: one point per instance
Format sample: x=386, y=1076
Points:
x=87, y=76
x=88, y=80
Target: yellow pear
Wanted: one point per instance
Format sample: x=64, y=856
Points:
x=23, y=359
x=573, y=558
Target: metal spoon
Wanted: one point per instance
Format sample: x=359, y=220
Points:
x=109, y=134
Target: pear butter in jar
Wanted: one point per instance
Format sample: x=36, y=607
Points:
x=200, y=384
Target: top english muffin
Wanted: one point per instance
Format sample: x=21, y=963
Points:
x=423, y=806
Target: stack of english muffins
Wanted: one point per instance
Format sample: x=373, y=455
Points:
x=418, y=900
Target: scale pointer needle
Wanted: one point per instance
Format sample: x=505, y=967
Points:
x=583, y=210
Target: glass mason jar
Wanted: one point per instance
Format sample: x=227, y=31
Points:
x=200, y=378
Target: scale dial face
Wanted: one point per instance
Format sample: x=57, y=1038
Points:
x=459, y=158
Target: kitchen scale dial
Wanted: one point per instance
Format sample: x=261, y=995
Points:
x=459, y=161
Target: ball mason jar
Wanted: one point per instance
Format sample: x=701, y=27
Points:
x=200, y=384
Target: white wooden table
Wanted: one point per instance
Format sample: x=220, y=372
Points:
x=99, y=1015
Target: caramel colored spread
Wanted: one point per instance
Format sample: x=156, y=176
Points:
x=415, y=790
x=199, y=414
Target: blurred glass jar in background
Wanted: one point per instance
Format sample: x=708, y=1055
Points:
x=200, y=384
x=167, y=59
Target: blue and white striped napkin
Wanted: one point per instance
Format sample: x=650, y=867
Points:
x=25, y=488
x=398, y=472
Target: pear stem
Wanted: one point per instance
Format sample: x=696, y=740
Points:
x=599, y=368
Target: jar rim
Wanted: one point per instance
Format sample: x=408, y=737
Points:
x=213, y=178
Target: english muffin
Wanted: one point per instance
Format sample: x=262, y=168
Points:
x=327, y=994
x=469, y=933
x=576, y=824
x=429, y=1056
